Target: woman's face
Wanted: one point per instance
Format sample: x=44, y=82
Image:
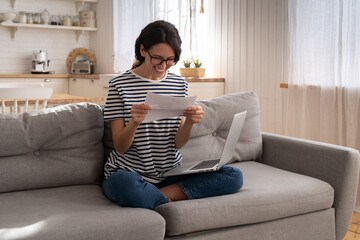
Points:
x=158, y=59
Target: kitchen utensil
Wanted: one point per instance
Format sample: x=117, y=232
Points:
x=40, y=63
x=45, y=17
x=78, y=52
x=37, y=18
x=82, y=67
x=8, y=17
x=55, y=20
x=22, y=17
x=67, y=21
x=87, y=14
x=30, y=18
x=88, y=22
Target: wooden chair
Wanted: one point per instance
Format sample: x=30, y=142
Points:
x=13, y=94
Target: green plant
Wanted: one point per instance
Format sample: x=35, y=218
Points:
x=187, y=62
x=197, y=63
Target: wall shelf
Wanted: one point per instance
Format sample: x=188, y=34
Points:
x=16, y=26
x=79, y=3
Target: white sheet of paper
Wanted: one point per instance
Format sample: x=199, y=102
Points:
x=166, y=106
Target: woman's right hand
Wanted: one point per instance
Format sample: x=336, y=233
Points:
x=138, y=112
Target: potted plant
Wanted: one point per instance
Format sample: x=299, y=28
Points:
x=195, y=72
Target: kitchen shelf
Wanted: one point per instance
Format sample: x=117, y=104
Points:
x=78, y=3
x=16, y=26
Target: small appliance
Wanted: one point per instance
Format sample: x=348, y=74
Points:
x=40, y=63
x=82, y=67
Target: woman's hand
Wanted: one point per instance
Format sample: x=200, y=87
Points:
x=194, y=114
x=138, y=112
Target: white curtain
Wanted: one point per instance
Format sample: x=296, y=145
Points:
x=131, y=16
x=324, y=71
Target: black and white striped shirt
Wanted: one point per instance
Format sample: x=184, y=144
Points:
x=153, y=149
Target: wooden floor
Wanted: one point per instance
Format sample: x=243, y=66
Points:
x=354, y=229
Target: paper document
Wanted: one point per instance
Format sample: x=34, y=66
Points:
x=166, y=106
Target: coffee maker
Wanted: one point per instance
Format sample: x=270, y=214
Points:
x=40, y=63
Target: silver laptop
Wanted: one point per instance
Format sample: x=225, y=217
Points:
x=216, y=164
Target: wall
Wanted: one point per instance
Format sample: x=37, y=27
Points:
x=16, y=55
x=102, y=41
x=249, y=35
x=254, y=52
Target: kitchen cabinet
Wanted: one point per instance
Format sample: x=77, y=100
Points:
x=59, y=85
x=206, y=90
x=85, y=87
x=12, y=79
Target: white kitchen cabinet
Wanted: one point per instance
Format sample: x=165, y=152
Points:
x=85, y=87
x=206, y=90
x=12, y=79
x=59, y=85
x=75, y=87
x=105, y=93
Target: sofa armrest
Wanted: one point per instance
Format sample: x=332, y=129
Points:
x=336, y=165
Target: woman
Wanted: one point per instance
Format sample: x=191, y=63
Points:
x=143, y=151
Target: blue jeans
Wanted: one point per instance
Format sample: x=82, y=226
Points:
x=129, y=189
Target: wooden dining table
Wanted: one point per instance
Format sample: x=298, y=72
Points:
x=60, y=99
x=66, y=98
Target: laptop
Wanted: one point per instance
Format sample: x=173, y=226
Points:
x=215, y=164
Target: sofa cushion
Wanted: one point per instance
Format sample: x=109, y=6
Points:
x=51, y=147
x=74, y=212
x=214, y=127
x=208, y=136
x=268, y=193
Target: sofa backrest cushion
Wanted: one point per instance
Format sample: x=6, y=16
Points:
x=208, y=136
x=51, y=147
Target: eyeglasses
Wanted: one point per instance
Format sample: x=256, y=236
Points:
x=158, y=60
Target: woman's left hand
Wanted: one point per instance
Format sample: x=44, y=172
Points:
x=194, y=114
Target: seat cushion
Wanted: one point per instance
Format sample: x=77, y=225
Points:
x=214, y=128
x=51, y=147
x=267, y=194
x=74, y=212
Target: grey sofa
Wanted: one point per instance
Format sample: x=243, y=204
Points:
x=51, y=164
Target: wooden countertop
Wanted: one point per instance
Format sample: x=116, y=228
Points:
x=205, y=79
x=66, y=98
x=86, y=76
x=94, y=76
x=58, y=99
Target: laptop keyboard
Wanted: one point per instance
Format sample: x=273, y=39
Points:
x=205, y=164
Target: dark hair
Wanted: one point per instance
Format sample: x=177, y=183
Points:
x=154, y=33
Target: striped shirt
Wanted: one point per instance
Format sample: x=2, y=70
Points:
x=153, y=150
